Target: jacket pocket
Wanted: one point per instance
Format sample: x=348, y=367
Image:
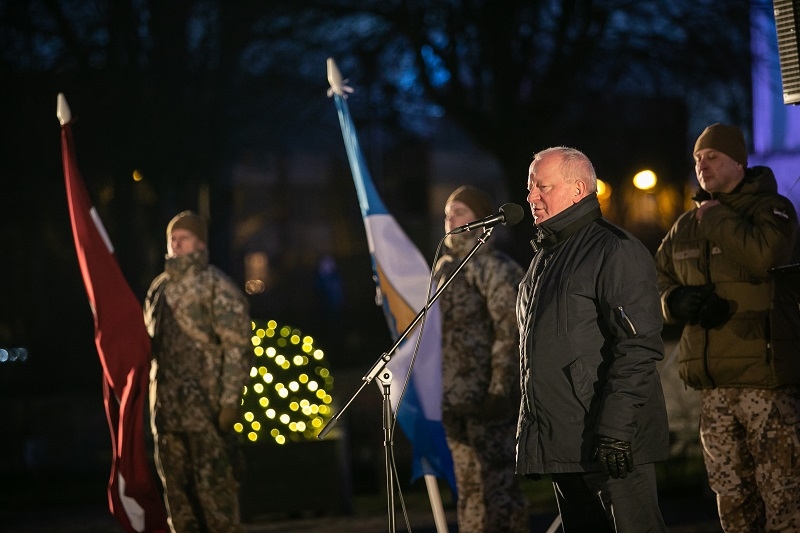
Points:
x=582, y=383
x=636, y=311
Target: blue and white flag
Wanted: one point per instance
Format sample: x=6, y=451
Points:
x=402, y=276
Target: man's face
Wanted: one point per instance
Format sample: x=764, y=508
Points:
x=717, y=172
x=182, y=242
x=457, y=214
x=548, y=193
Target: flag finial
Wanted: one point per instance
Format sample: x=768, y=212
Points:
x=62, y=110
x=338, y=85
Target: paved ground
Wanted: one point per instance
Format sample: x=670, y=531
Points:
x=696, y=515
x=689, y=517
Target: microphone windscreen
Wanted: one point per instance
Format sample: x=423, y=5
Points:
x=513, y=214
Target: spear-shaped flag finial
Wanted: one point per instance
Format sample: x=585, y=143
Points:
x=62, y=110
x=338, y=85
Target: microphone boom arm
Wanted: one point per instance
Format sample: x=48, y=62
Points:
x=387, y=356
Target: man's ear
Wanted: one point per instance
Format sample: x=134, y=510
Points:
x=578, y=191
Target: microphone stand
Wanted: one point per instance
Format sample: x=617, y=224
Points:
x=386, y=380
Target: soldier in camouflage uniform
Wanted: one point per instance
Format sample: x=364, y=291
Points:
x=200, y=325
x=712, y=271
x=480, y=372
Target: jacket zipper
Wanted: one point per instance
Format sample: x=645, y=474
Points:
x=705, y=331
x=536, y=271
x=627, y=319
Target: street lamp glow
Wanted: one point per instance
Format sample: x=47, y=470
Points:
x=644, y=180
x=603, y=190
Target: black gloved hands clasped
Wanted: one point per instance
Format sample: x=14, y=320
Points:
x=615, y=456
x=699, y=304
x=714, y=312
x=685, y=302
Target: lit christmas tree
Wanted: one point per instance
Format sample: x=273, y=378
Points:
x=289, y=394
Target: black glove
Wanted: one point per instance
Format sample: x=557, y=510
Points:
x=684, y=303
x=615, y=456
x=714, y=312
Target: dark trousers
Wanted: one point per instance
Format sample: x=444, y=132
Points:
x=595, y=502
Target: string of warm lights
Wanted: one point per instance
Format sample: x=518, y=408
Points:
x=288, y=397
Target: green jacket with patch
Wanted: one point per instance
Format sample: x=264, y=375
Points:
x=737, y=242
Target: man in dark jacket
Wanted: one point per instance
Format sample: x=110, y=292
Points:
x=713, y=274
x=592, y=413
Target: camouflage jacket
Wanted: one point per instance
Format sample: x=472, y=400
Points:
x=479, y=335
x=202, y=354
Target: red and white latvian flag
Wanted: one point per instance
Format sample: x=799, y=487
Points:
x=124, y=349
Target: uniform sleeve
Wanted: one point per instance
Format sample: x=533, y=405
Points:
x=501, y=282
x=757, y=242
x=152, y=302
x=666, y=277
x=629, y=303
x=233, y=327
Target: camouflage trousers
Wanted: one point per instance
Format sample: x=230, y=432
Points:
x=751, y=447
x=490, y=499
x=200, y=490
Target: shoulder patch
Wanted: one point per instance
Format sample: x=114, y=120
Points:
x=780, y=213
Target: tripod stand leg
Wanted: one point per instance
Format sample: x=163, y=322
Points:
x=385, y=378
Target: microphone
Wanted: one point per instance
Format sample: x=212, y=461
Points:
x=509, y=215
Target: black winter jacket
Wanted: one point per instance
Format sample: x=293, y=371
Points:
x=590, y=336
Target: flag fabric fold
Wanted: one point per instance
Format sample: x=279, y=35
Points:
x=402, y=277
x=123, y=346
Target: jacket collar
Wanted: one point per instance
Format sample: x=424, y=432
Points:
x=562, y=226
x=459, y=245
x=178, y=267
x=757, y=179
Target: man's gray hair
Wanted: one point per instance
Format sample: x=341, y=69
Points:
x=574, y=165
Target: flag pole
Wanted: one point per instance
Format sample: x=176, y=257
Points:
x=435, y=497
x=339, y=89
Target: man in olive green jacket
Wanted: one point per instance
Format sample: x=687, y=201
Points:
x=713, y=276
